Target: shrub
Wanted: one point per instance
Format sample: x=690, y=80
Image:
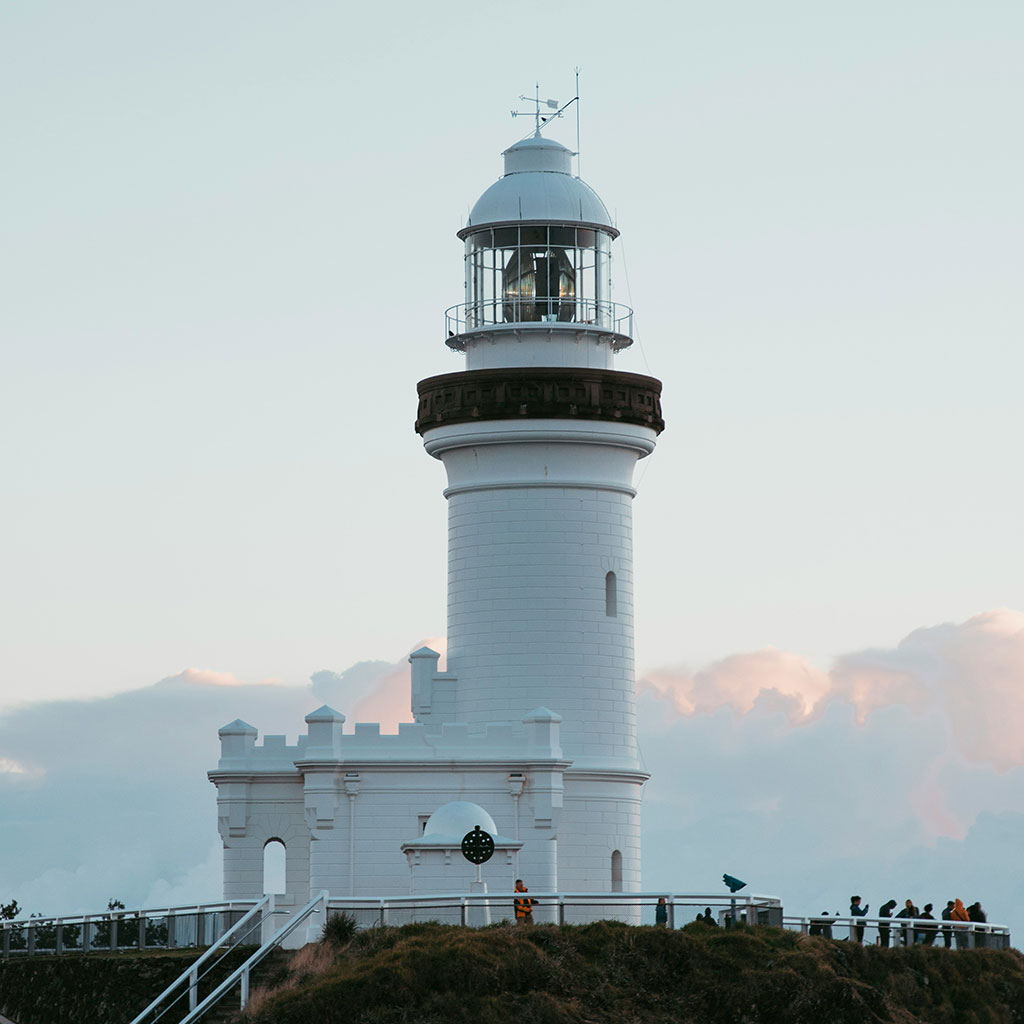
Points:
x=338, y=929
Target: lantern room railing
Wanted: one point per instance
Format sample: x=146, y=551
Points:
x=540, y=311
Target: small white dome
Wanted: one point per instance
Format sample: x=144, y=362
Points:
x=455, y=819
x=539, y=185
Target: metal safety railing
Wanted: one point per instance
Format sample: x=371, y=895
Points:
x=180, y=927
x=241, y=975
x=558, y=908
x=240, y=932
x=900, y=931
x=534, y=311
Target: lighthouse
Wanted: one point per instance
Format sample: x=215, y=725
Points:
x=529, y=732
x=539, y=436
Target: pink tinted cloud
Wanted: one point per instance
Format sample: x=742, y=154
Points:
x=388, y=702
x=740, y=680
x=972, y=673
x=209, y=677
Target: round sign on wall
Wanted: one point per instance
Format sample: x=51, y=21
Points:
x=477, y=846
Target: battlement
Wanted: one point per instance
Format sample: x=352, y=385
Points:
x=535, y=737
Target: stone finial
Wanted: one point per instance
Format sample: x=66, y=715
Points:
x=543, y=728
x=324, y=731
x=237, y=739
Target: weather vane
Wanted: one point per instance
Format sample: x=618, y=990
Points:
x=535, y=113
x=557, y=111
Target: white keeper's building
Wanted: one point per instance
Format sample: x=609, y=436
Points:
x=531, y=730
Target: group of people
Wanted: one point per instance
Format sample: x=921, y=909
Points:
x=661, y=915
x=917, y=934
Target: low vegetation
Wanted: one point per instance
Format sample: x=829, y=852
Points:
x=608, y=973
x=98, y=988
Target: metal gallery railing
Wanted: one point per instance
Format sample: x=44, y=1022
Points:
x=534, y=311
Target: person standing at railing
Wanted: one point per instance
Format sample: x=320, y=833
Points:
x=885, y=910
x=947, y=931
x=908, y=912
x=523, y=905
x=958, y=913
x=928, y=931
x=977, y=915
x=661, y=913
x=856, y=910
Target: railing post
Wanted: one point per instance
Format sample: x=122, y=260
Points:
x=59, y=945
x=200, y=927
x=141, y=941
x=7, y=941
x=31, y=947
x=269, y=920
x=561, y=910
x=86, y=935
x=113, y=931
x=193, y=988
x=462, y=912
x=672, y=913
x=170, y=929
x=244, y=997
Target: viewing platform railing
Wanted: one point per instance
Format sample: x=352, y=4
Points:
x=478, y=909
x=532, y=312
x=200, y=925
x=900, y=931
x=187, y=926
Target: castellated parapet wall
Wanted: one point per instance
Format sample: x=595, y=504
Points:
x=346, y=805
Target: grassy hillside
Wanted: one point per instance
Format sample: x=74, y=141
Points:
x=101, y=988
x=607, y=972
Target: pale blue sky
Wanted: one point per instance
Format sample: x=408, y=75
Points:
x=228, y=242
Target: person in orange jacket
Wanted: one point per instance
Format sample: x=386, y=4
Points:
x=523, y=905
x=959, y=913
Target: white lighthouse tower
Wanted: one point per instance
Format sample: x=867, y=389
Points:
x=539, y=437
x=530, y=731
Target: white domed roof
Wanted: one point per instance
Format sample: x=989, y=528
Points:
x=538, y=185
x=454, y=820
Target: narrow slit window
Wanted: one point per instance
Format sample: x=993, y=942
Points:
x=616, y=871
x=611, y=599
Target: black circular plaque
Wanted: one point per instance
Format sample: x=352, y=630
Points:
x=477, y=846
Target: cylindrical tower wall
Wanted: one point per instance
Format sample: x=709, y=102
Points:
x=527, y=618
x=540, y=576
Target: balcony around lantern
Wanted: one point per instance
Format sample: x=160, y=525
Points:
x=539, y=313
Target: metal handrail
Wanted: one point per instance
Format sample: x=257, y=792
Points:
x=192, y=974
x=601, y=897
x=7, y=928
x=242, y=973
x=129, y=913
x=896, y=925
x=560, y=901
x=526, y=311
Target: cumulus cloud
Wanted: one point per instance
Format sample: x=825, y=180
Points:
x=373, y=691
x=109, y=797
x=973, y=672
x=885, y=773
x=895, y=772
x=738, y=681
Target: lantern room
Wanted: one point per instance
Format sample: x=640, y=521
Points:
x=538, y=252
